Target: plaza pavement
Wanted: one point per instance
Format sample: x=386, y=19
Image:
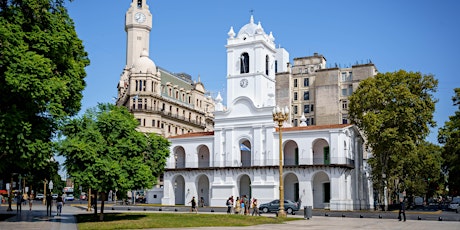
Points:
x=37, y=219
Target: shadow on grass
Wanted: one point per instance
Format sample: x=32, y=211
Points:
x=84, y=218
x=6, y=216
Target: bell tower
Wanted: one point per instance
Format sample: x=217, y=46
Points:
x=251, y=57
x=138, y=23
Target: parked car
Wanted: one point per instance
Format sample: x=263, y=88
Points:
x=39, y=196
x=55, y=196
x=289, y=206
x=455, y=203
x=69, y=197
x=83, y=196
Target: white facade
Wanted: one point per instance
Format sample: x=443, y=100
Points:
x=323, y=165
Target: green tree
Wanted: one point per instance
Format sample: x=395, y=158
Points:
x=104, y=151
x=42, y=63
x=424, y=176
x=394, y=111
x=449, y=136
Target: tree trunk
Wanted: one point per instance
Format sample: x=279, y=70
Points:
x=101, y=216
x=95, y=203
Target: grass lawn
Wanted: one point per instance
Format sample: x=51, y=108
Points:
x=170, y=220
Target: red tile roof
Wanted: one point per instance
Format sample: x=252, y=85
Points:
x=314, y=127
x=197, y=134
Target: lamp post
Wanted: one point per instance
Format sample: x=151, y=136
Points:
x=279, y=116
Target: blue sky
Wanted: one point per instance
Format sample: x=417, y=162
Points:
x=190, y=37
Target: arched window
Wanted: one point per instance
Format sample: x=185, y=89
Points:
x=244, y=67
x=267, y=61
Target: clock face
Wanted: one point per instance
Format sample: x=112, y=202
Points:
x=244, y=83
x=139, y=17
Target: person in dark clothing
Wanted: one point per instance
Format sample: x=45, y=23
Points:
x=194, y=208
x=49, y=203
x=402, y=210
x=18, y=202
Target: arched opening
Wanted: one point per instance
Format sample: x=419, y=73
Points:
x=179, y=157
x=245, y=153
x=291, y=187
x=244, y=66
x=291, y=153
x=245, y=186
x=203, y=156
x=179, y=190
x=321, y=190
x=321, y=154
x=203, y=190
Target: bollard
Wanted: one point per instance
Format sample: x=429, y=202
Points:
x=307, y=212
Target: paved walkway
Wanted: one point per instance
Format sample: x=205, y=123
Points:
x=37, y=219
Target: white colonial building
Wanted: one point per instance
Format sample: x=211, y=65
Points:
x=323, y=165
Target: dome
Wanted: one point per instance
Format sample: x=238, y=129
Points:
x=251, y=28
x=144, y=64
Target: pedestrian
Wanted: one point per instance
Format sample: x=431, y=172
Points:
x=202, y=202
x=49, y=203
x=242, y=206
x=31, y=200
x=255, y=208
x=18, y=202
x=246, y=205
x=194, y=208
x=402, y=209
x=237, y=205
x=59, y=204
x=229, y=205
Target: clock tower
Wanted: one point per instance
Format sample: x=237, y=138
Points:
x=138, y=23
x=250, y=65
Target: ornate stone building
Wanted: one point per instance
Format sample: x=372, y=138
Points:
x=220, y=151
x=324, y=165
x=163, y=102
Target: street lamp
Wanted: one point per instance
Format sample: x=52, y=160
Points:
x=50, y=186
x=280, y=116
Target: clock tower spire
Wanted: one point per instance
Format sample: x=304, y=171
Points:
x=138, y=23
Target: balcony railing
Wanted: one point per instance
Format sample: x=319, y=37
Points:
x=169, y=115
x=339, y=161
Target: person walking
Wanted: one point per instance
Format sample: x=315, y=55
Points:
x=402, y=209
x=229, y=205
x=255, y=208
x=242, y=206
x=31, y=200
x=18, y=202
x=246, y=205
x=194, y=208
x=49, y=202
x=59, y=204
x=237, y=205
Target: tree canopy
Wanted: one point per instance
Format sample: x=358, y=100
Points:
x=449, y=136
x=395, y=112
x=104, y=151
x=42, y=71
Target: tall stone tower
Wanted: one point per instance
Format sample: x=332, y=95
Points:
x=138, y=23
x=163, y=102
